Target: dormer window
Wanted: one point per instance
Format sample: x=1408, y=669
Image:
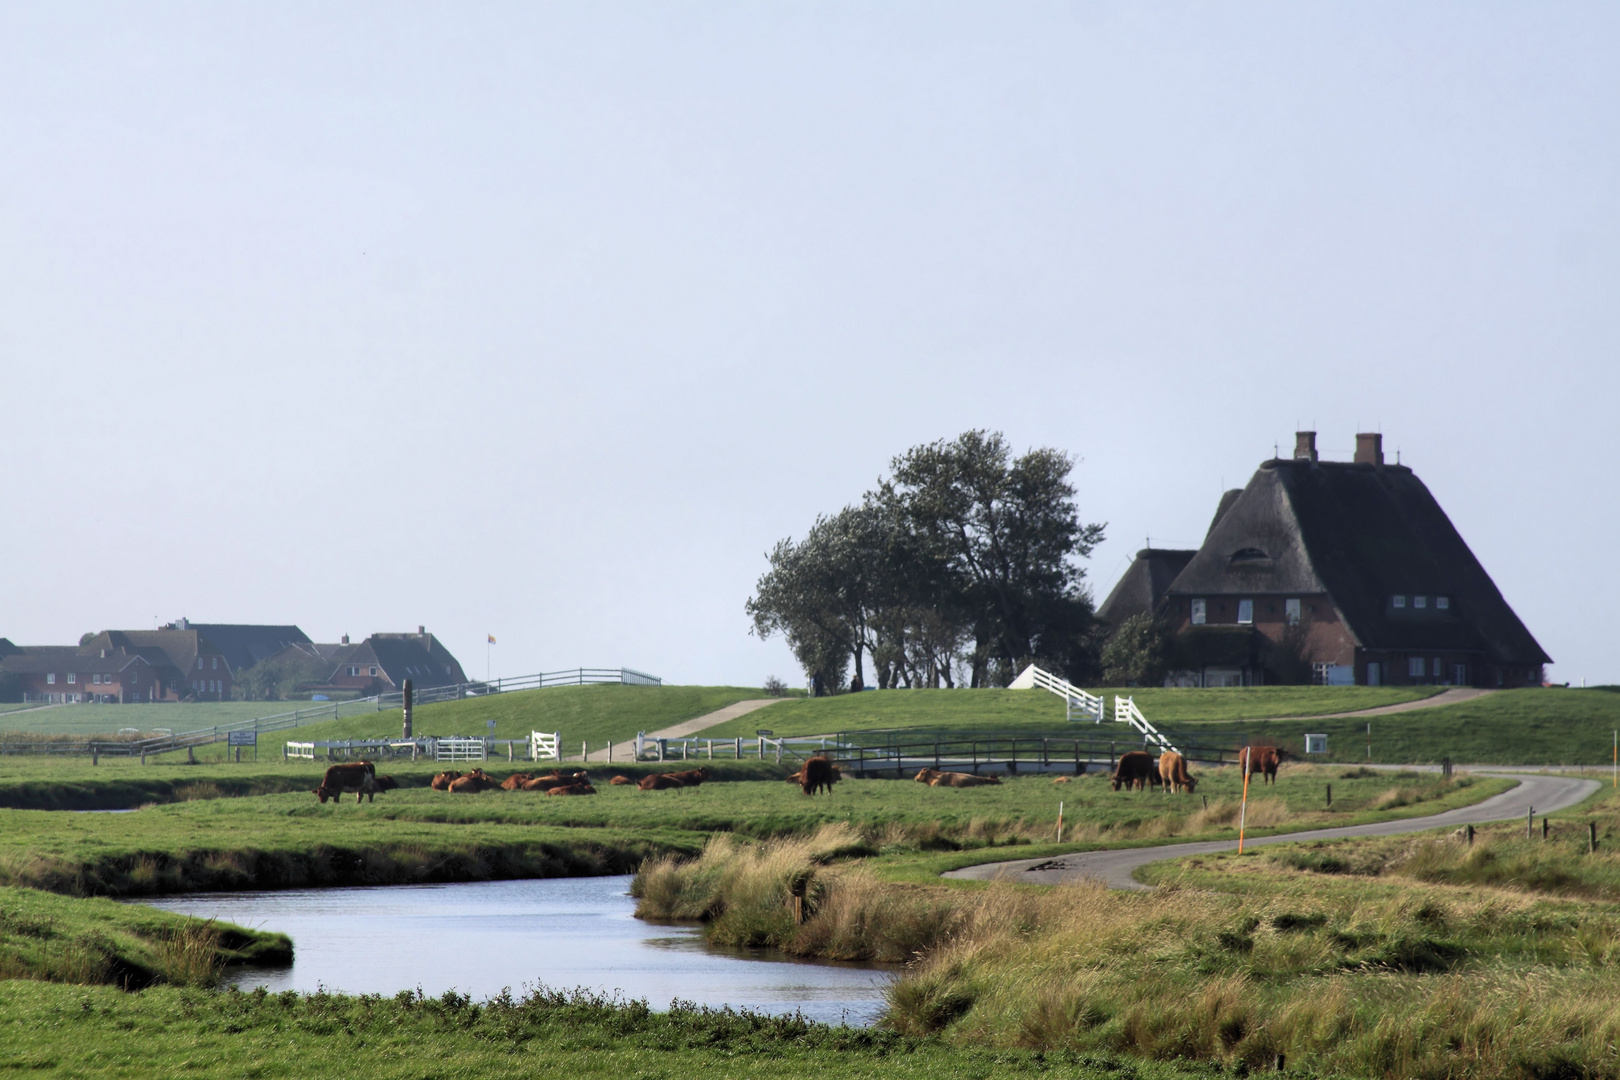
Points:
x=1291, y=611
x=1420, y=602
x=1246, y=612
x=1199, y=612
x=1400, y=601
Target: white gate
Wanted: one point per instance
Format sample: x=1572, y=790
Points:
x=460, y=748
x=545, y=746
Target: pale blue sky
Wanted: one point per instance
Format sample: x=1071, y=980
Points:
x=549, y=320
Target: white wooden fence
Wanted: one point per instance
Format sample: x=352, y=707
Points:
x=545, y=746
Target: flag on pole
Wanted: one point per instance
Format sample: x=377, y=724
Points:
x=491, y=638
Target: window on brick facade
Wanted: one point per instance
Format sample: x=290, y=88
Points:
x=1199, y=612
x=1291, y=612
x=1246, y=612
x=1400, y=601
x=1442, y=603
x=73, y=676
x=199, y=663
x=1420, y=601
x=216, y=664
x=373, y=671
x=50, y=680
x=1415, y=667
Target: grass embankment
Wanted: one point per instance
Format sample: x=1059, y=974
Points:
x=106, y=719
x=168, y=1032
x=1540, y=726
x=57, y=939
x=1038, y=710
x=1412, y=957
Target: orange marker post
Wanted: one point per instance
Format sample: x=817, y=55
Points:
x=1060, y=822
x=1243, y=808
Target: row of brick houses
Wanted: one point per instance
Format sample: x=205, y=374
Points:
x=1349, y=570
x=186, y=661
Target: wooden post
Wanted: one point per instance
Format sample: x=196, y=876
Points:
x=508, y=749
x=408, y=699
x=95, y=754
x=1591, y=837
x=1470, y=835
x=1544, y=826
x=1206, y=802
x=1330, y=796
x=1046, y=757
x=1529, y=822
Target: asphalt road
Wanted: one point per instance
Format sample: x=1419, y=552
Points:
x=1546, y=794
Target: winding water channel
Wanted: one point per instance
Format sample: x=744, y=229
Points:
x=480, y=937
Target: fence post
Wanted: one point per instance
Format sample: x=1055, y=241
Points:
x=1591, y=837
x=1544, y=826
x=1529, y=821
x=1330, y=796
x=1470, y=836
x=739, y=747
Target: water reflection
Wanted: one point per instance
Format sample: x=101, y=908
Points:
x=480, y=937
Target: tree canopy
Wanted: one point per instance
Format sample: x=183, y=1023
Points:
x=962, y=565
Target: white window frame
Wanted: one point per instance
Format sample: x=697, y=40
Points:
x=50, y=678
x=1420, y=602
x=1200, y=612
x=73, y=677
x=1245, y=612
x=1415, y=666
x=1400, y=600
x=1442, y=603
x=1292, y=611
x=374, y=672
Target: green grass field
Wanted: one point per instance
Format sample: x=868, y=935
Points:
x=105, y=719
x=1038, y=710
x=1542, y=726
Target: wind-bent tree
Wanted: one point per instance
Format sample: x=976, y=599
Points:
x=963, y=544
x=1010, y=536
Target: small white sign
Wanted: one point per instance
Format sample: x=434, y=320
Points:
x=490, y=724
x=1316, y=744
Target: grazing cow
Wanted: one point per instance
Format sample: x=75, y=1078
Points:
x=817, y=773
x=556, y=779
x=475, y=781
x=514, y=782
x=441, y=781
x=1173, y=772
x=937, y=778
x=621, y=780
x=573, y=789
x=659, y=781
x=359, y=777
x=1265, y=761
x=798, y=777
x=1134, y=770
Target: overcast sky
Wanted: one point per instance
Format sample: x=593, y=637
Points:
x=547, y=321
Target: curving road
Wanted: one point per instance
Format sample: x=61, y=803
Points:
x=1546, y=794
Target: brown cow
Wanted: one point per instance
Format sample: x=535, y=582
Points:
x=816, y=774
x=441, y=781
x=621, y=780
x=359, y=777
x=573, y=789
x=1173, y=773
x=475, y=781
x=659, y=781
x=939, y=778
x=556, y=779
x=798, y=777
x=514, y=782
x=1265, y=761
x=1134, y=770
x=692, y=777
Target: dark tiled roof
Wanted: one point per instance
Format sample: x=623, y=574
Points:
x=1143, y=585
x=179, y=648
x=1362, y=534
x=418, y=657
x=244, y=645
x=39, y=659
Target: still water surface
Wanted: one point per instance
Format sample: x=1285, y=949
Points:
x=480, y=937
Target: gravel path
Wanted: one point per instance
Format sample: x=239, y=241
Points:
x=1546, y=794
x=626, y=751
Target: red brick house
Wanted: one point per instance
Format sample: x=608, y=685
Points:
x=119, y=666
x=381, y=663
x=1348, y=570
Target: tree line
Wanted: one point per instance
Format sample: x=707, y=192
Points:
x=961, y=567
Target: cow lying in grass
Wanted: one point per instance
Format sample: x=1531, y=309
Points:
x=937, y=778
x=515, y=781
x=556, y=780
x=359, y=777
x=572, y=789
x=475, y=781
x=621, y=780
x=666, y=780
x=441, y=781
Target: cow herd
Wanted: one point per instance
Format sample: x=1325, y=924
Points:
x=1136, y=770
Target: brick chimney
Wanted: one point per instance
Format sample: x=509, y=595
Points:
x=345, y=639
x=1369, y=448
x=1304, y=446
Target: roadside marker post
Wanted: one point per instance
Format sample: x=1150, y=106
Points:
x=1060, y=822
x=1243, y=808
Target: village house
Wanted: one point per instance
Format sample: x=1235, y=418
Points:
x=381, y=663
x=120, y=666
x=1334, y=572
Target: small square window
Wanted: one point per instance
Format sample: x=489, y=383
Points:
x=1400, y=601
x=1246, y=612
x=373, y=671
x=50, y=680
x=1198, y=612
x=1442, y=603
x=1291, y=612
x=73, y=676
x=1420, y=601
x=1415, y=667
